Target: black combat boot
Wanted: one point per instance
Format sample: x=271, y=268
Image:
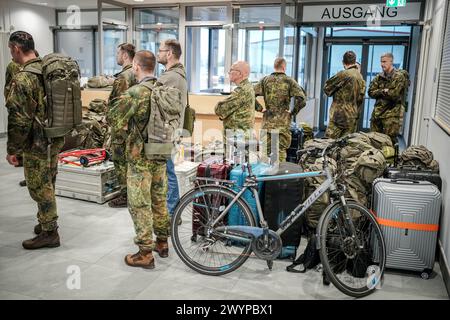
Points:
x=46, y=239
x=120, y=202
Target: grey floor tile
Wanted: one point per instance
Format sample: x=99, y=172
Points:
x=98, y=282
x=36, y=274
x=166, y=289
x=90, y=246
x=6, y=295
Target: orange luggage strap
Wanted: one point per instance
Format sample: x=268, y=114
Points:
x=406, y=225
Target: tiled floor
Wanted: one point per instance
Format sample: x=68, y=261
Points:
x=95, y=239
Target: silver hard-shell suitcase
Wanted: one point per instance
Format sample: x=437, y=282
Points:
x=97, y=183
x=408, y=213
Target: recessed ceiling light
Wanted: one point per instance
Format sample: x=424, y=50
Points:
x=138, y=0
x=261, y=22
x=42, y=3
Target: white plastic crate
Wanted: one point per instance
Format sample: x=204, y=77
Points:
x=186, y=173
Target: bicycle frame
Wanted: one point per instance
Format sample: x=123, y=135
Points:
x=251, y=183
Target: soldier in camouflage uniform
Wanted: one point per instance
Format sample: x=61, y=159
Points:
x=237, y=111
x=11, y=70
x=146, y=179
x=347, y=88
x=26, y=113
x=124, y=80
x=278, y=89
x=389, y=89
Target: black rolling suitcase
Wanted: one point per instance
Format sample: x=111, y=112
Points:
x=414, y=173
x=280, y=198
x=296, y=144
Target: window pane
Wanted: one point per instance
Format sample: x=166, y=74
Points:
x=301, y=77
x=112, y=38
x=206, y=13
x=257, y=14
x=80, y=46
x=289, y=44
x=384, y=31
x=151, y=39
x=261, y=49
x=205, y=59
x=154, y=16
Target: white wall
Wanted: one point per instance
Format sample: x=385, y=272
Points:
x=33, y=19
x=425, y=130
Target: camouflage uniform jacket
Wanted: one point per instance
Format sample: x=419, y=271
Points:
x=277, y=90
x=389, y=104
x=237, y=111
x=133, y=115
x=11, y=70
x=124, y=80
x=27, y=113
x=347, y=88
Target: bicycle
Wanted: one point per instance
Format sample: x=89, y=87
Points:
x=349, y=236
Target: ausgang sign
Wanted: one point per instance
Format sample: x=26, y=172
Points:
x=361, y=13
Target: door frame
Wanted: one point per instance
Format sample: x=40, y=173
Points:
x=365, y=42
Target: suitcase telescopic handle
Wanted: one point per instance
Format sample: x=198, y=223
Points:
x=404, y=180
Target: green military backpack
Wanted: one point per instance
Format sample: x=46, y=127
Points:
x=100, y=81
x=162, y=129
x=97, y=106
x=61, y=79
x=418, y=156
x=370, y=165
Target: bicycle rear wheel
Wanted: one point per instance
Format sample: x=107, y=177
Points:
x=197, y=244
x=355, y=265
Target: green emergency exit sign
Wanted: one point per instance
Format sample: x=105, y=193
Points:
x=395, y=3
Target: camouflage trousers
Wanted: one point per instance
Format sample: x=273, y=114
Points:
x=389, y=126
x=147, y=194
x=277, y=143
x=120, y=165
x=40, y=174
x=334, y=132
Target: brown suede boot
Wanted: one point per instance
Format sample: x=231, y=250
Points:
x=119, y=202
x=46, y=239
x=143, y=258
x=37, y=229
x=162, y=247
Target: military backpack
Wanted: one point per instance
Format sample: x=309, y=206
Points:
x=165, y=112
x=61, y=79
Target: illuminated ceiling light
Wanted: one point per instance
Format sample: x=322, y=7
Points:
x=159, y=24
x=138, y=0
x=261, y=22
x=42, y=3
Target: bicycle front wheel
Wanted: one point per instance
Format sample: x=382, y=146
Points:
x=194, y=239
x=353, y=260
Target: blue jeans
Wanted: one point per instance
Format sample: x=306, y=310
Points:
x=173, y=194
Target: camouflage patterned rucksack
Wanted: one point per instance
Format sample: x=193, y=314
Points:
x=311, y=184
x=370, y=165
x=61, y=79
x=418, y=156
x=379, y=140
x=101, y=81
x=166, y=107
x=97, y=106
x=308, y=133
